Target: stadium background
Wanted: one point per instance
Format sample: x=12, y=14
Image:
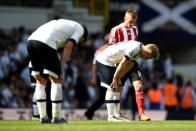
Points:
x=174, y=32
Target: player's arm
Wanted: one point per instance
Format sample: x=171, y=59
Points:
x=136, y=33
x=113, y=37
x=94, y=74
x=124, y=66
x=69, y=45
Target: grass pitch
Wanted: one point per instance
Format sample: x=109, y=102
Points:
x=28, y=125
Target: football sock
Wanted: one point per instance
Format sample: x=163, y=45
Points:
x=40, y=96
x=117, y=104
x=109, y=103
x=35, y=112
x=140, y=101
x=56, y=98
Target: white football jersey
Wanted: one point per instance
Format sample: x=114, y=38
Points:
x=114, y=54
x=56, y=32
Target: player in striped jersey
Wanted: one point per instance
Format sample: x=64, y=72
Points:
x=126, y=30
x=122, y=33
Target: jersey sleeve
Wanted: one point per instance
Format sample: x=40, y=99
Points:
x=132, y=54
x=113, y=37
x=135, y=30
x=77, y=34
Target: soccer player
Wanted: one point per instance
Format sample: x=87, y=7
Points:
x=42, y=49
x=126, y=30
x=126, y=54
x=122, y=33
x=96, y=81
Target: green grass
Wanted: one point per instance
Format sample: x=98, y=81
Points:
x=28, y=125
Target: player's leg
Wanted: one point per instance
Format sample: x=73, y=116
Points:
x=52, y=67
x=35, y=55
x=98, y=102
x=35, y=112
x=106, y=75
x=136, y=79
x=140, y=100
x=56, y=99
x=48, y=100
x=134, y=109
x=40, y=96
x=117, y=105
x=116, y=96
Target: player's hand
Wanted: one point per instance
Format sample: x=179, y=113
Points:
x=62, y=76
x=116, y=85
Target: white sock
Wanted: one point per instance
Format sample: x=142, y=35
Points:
x=40, y=96
x=35, y=111
x=56, y=98
x=110, y=106
x=117, y=105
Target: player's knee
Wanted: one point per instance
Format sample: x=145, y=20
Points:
x=40, y=80
x=56, y=80
x=138, y=85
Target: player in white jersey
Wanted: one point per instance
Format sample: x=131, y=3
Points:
x=42, y=49
x=127, y=54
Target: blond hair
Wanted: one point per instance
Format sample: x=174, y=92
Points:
x=132, y=12
x=153, y=51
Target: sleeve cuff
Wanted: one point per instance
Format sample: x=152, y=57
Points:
x=72, y=40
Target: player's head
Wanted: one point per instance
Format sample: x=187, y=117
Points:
x=150, y=51
x=130, y=18
x=84, y=37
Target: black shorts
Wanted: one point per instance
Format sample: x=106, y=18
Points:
x=106, y=74
x=44, y=59
x=133, y=75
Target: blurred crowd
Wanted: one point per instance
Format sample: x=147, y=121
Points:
x=163, y=88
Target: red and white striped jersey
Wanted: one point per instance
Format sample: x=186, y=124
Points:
x=121, y=34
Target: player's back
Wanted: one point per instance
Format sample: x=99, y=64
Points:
x=113, y=54
x=56, y=32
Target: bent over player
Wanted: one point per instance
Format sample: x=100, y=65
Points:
x=126, y=54
x=42, y=49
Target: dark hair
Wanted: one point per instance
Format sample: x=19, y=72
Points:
x=85, y=35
